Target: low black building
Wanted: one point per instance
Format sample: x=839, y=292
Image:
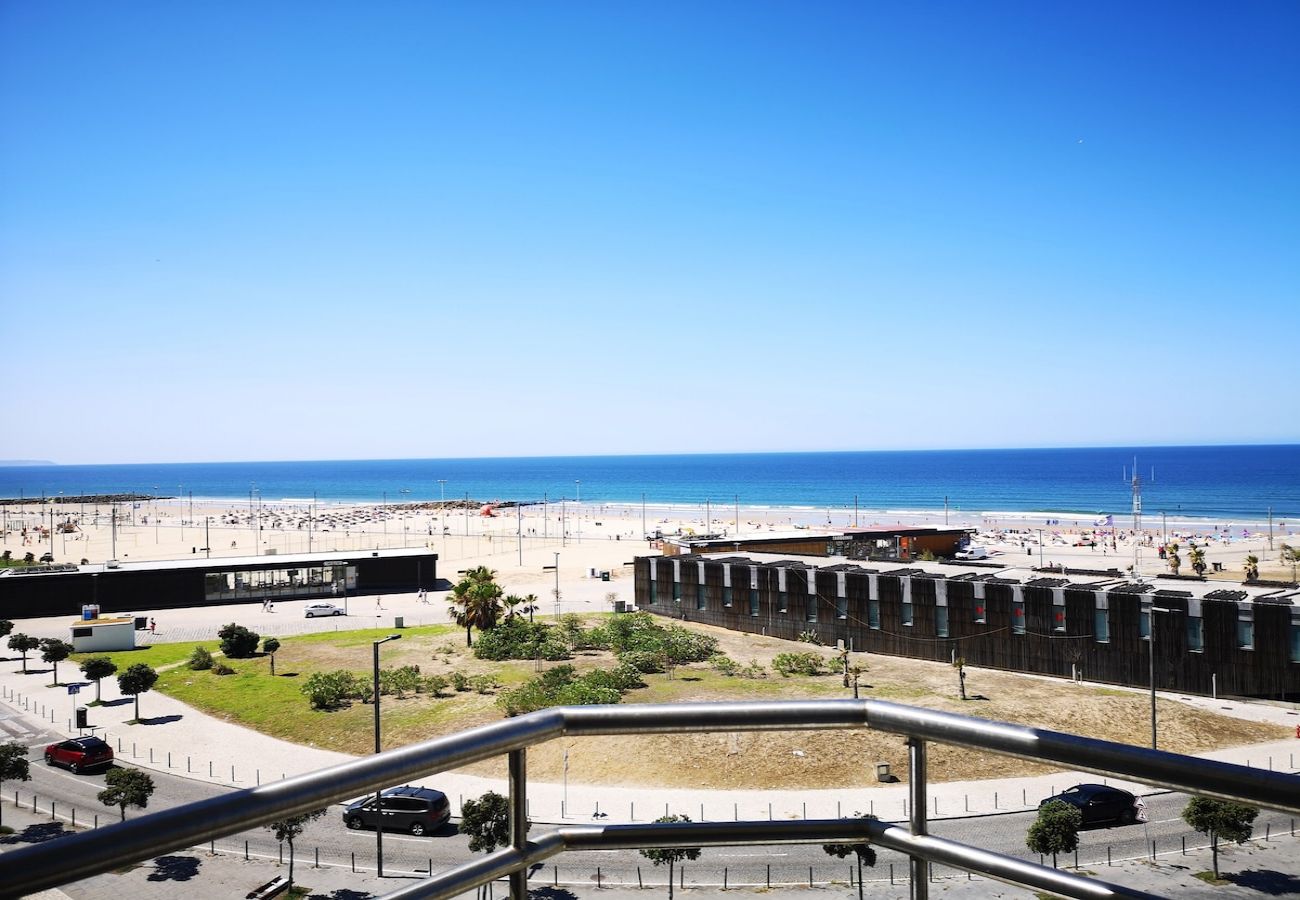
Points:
x=1236, y=641
x=177, y=583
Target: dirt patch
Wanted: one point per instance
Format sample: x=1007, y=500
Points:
x=794, y=759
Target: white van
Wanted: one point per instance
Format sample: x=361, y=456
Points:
x=973, y=553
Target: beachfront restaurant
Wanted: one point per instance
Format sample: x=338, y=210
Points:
x=877, y=542
x=172, y=584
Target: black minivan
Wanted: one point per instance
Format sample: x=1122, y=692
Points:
x=415, y=809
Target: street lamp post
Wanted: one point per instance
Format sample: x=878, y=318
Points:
x=379, y=810
x=1151, y=664
x=1040, y=548
x=406, y=491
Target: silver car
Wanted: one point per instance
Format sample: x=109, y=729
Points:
x=323, y=609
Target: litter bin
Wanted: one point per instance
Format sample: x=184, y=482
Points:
x=141, y=623
x=882, y=772
x=399, y=622
x=604, y=576
x=83, y=717
x=1218, y=567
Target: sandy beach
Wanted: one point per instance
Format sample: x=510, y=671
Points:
x=519, y=541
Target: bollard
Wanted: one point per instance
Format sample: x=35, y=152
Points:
x=871, y=807
x=281, y=853
x=1153, y=851
x=96, y=820
x=74, y=817
x=169, y=759
x=631, y=811
x=1108, y=862
x=119, y=745
x=187, y=764
x=1184, y=840
x=429, y=860
x=1268, y=829
x=257, y=773
x=810, y=876
x=701, y=812
x=805, y=811
x=556, y=879
x=769, y=876
x=1076, y=857
x=232, y=774
x=891, y=873
x=839, y=813
x=769, y=812
x=133, y=749
x=936, y=804
x=52, y=815
x=246, y=851
x=735, y=811
x=354, y=862
x=682, y=869
x=33, y=803
x=597, y=877
x=724, y=878
x=317, y=866
x=209, y=768
x=639, y=885
x=1024, y=799
x=212, y=847
x=967, y=799
x=995, y=799
x=151, y=756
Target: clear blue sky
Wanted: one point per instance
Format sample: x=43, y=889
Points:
x=326, y=230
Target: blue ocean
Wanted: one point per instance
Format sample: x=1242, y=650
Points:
x=1221, y=482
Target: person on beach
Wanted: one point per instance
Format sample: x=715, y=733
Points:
x=153, y=626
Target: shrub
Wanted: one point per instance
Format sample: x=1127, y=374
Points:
x=200, y=659
x=810, y=637
x=399, y=680
x=484, y=684
x=732, y=669
x=642, y=660
x=517, y=638
x=562, y=686
x=436, y=684
x=329, y=690
x=787, y=664
x=222, y=669
x=238, y=642
x=460, y=681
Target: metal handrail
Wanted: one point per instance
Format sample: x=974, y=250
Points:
x=82, y=855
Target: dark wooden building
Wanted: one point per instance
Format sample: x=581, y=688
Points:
x=173, y=584
x=884, y=542
x=1225, y=641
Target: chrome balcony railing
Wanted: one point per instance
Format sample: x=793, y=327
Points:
x=91, y=853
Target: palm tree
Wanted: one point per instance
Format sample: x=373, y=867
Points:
x=1252, y=567
x=1175, y=561
x=1291, y=555
x=475, y=603
x=530, y=606
x=1196, y=556
x=512, y=602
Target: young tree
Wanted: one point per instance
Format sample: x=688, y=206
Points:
x=1056, y=830
x=1252, y=567
x=269, y=646
x=98, y=668
x=960, y=665
x=863, y=852
x=486, y=821
x=13, y=767
x=670, y=855
x=1196, y=556
x=55, y=651
x=126, y=787
x=1220, y=819
x=286, y=830
x=24, y=645
x=1289, y=555
x=1175, y=561
x=238, y=642
x=137, y=680
x=6, y=626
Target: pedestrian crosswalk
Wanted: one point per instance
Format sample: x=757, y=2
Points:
x=15, y=727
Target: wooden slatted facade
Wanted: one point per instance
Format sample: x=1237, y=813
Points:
x=1045, y=627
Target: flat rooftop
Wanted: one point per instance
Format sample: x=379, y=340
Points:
x=223, y=563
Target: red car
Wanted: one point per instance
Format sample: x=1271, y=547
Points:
x=79, y=754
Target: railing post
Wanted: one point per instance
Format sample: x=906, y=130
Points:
x=920, y=868
x=519, y=819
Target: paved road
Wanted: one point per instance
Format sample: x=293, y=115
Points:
x=60, y=794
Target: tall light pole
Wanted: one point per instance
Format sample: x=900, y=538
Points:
x=252, y=522
x=1151, y=664
x=1040, y=548
x=577, y=490
x=442, y=490
x=406, y=491
x=379, y=810
x=557, y=585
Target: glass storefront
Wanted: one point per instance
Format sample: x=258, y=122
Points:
x=326, y=580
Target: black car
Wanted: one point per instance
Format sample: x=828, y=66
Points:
x=415, y=809
x=1100, y=804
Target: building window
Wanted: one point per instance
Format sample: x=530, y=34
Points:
x=907, y=614
x=1101, y=624
x=1245, y=634
x=873, y=614
x=1144, y=624
x=1058, y=618
x=782, y=601
x=726, y=596
x=753, y=601
x=811, y=613
x=1017, y=617
x=1295, y=642
x=981, y=617
x=941, y=621
x=677, y=592
x=652, y=592
x=1195, y=633
x=699, y=597
x=841, y=607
